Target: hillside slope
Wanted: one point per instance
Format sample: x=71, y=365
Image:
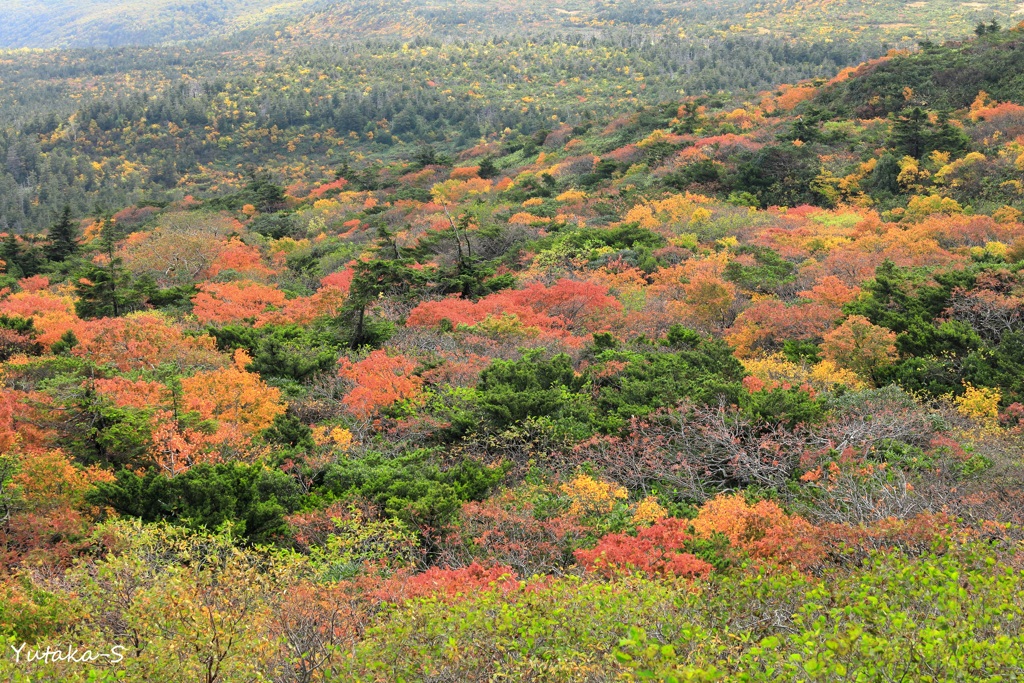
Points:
x=728, y=386
x=101, y=23
x=946, y=77
x=112, y=23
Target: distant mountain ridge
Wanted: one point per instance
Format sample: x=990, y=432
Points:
x=113, y=23
x=116, y=23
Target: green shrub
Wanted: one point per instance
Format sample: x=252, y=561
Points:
x=253, y=498
x=411, y=487
x=512, y=391
x=684, y=365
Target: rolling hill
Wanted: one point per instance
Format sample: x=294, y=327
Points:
x=113, y=23
x=101, y=23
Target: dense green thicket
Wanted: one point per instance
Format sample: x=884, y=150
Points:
x=955, y=617
x=947, y=77
x=251, y=498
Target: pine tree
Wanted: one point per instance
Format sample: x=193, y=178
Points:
x=946, y=137
x=425, y=156
x=908, y=133
x=107, y=290
x=487, y=168
x=11, y=255
x=883, y=178
x=63, y=237
x=371, y=279
x=266, y=195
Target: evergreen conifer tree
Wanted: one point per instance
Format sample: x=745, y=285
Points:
x=63, y=237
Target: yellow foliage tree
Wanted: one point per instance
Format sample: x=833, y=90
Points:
x=923, y=206
x=591, y=496
x=980, y=404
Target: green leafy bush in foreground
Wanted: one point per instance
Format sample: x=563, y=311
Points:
x=956, y=617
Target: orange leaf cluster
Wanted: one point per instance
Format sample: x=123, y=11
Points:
x=142, y=341
x=242, y=259
x=52, y=314
x=762, y=530
x=335, y=185
x=790, y=97
x=176, y=448
x=126, y=393
x=340, y=280
x=380, y=382
x=565, y=305
x=35, y=283
x=239, y=301
x=464, y=172
x=241, y=403
x=767, y=323
x=304, y=309
x=859, y=345
x=49, y=479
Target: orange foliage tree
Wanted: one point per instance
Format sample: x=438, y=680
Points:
x=52, y=314
x=766, y=324
x=303, y=310
x=241, y=258
x=566, y=304
x=50, y=522
x=380, y=381
x=35, y=283
x=49, y=479
x=9, y=436
x=127, y=393
x=708, y=304
x=144, y=340
x=239, y=301
x=859, y=345
x=241, y=403
x=176, y=447
x=762, y=530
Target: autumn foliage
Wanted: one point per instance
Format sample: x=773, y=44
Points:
x=556, y=310
x=241, y=301
x=447, y=379
x=658, y=550
x=380, y=381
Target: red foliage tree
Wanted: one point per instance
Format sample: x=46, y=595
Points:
x=448, y=584
x=333, y=186
x=656, y=551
